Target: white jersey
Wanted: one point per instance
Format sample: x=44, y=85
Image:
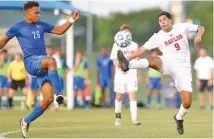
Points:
x=203, y=66
x=120, y=76
x=174, y=44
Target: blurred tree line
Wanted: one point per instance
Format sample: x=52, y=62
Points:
x=203, y=12
x=144, y=24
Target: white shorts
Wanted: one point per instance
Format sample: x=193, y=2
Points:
x=125, y=87
x=180, y=72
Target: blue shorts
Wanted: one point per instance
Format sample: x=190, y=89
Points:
x=105, y=82
x=40, y=79
x=4, y=82
x=33, y=64
x=79, y=83
x=34, y=84
x=155, y=84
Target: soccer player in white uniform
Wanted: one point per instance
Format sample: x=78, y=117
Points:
x=125, y=82
x=175, y=61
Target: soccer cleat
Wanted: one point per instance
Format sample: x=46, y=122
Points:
x=180, y=127
x=24, y=127
x=136, y=122
x=60, y=99
x=117, y=122
x=123, y=62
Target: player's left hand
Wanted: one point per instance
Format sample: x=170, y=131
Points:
x=197, y=40
x=76, y=15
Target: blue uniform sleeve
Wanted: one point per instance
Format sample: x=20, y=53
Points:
x=11, y=32
x=47, y=27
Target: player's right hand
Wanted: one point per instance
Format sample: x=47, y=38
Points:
x=76, y=15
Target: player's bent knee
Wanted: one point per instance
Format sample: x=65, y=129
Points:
x=52, y=61
x=155, y=63
x=187, y=103
x=48, y=100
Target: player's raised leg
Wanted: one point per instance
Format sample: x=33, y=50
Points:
x=125, y=65
x=48, y=97
x=118, y=108
x=49, y=63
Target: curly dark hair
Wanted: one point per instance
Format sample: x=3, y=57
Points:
x=30, y=4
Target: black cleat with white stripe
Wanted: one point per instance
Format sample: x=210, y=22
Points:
x=180, y=127
x=123, y=62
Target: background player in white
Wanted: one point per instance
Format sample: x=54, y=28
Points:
x=175, y=61
x=204, y=67
x=125, y=82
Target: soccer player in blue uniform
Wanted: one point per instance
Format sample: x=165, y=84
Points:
x=30, y=34
x=105, y=68
x=4, y=83
x=154, y=83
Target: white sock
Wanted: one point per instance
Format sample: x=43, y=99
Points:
x=138, y=64
x=133, y=109
x=118, y=106
x=181, y=113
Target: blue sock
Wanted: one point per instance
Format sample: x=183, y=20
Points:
x=55, y=81
x=159, y=99
x=34, y=114
x=0, y=102
x=149, y=99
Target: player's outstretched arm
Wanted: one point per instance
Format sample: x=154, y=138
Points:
x=59, y=30
x=137, y=53
x=200, y=30
x=3, y=41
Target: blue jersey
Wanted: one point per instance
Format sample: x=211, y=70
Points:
x=104, y=64
x=30, y=37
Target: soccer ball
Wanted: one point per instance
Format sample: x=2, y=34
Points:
x=123, y=38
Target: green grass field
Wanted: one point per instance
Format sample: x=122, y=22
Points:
x=99, y=123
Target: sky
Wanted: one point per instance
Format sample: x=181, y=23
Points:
x=105, y=7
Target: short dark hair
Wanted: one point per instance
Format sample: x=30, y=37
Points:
x=30, y=4
x=167, y=14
